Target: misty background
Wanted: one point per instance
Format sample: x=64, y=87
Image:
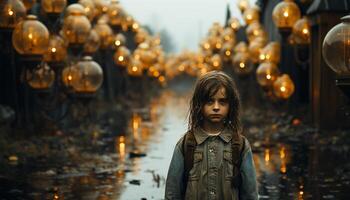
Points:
x=182, y=22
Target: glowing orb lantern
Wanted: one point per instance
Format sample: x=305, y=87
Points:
x=242, y=64
x=271, y=53
x=92, y=44
x=251, y=14
x=283, y=87
x=301, y=31
x=266, y=74
x=285, y=14
x=41, y=77
x=57, y=50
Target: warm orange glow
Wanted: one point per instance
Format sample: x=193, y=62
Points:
x=70, y=77
x=305, y=31
x=228, y=53
x=206, y=45
x=267, y=155
x=30, y=36
x=283, y=89
x=282, y=153
x=268, y=76
x=161, y=79
x=135, y=26
x=121, y=58
x=241, y=65
x=218, y=45
x=10, y=12
x=249, y=17
x=285, y=14
x=262, y=57
x=117, y=43
x=134, y=68
x=53, y=49
x=121, y=147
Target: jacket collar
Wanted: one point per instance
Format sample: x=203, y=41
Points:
x=201, y=136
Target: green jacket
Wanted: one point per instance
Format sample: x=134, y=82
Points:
x=211, y=175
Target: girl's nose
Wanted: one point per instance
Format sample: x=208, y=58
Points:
x=216, y=106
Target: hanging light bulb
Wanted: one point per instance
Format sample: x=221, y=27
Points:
x=115, y=14
x=229, y=35
x=226, y=52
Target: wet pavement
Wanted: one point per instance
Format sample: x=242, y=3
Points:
x=293, y=161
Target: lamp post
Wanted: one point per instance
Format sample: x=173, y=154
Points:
x=285, y=15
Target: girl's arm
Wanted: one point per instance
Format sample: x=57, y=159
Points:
x=248, y=189
x=174, y=184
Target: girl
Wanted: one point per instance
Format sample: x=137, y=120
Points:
x=213, y=160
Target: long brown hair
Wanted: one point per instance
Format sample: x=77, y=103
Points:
x=206, y=87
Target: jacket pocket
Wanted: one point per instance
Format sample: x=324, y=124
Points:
x=195, y=172
x=228, y=165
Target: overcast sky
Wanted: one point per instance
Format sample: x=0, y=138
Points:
x=187, y=21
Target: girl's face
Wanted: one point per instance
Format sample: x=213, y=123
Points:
x=217, y=107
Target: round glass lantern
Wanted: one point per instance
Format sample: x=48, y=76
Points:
x=283, y=87
x=118, y=41
x=141, y=36
x=89, y=8
x=229, y=35
x=105, y=34
x=255, y=48
x=251, y=15
x=301, y=31
x=11, y=12
x=53, y=6
x=115, y=13
x=122, y=57
x=29, y=4
x=227, y=51
x=266, y=74
x=254, y=30
x=30, y=37
x=215, y=62
x=285, y=14
x=93, y=43
x=41, y=77
x=76, y=26
x=336, y=47
x=234, y=24
x=215, y=42
x=271, y=53
x=57, y=50
x=135, y=68
x=242, y=64
x=243, y=5
x=69, y=75
x=241, y=47
x=89, y=78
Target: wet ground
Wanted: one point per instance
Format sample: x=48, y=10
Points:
x=293, y=161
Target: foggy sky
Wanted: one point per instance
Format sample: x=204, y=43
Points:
x=187, y=21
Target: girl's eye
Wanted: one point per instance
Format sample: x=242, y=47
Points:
x=210, y=101
x=223, y=101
